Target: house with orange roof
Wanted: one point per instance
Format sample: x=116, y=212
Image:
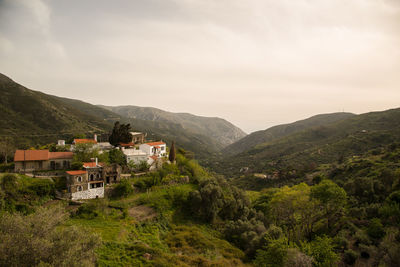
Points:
x=41, y=160
x=87, y=183
x=158, y=149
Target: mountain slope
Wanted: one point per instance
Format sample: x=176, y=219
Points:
x=283, y=130
x=317, y=145
x=222, y=131
x=29, y=115
x=32, y=117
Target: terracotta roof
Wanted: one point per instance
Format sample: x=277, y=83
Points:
x=155, y=143
x=92, y=164
x=76, y=172
x=31, y=155
x=126, y=144
x=85, y=141
x=61, y=155
x=36, y=155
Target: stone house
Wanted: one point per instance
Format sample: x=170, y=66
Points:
x=89, y=183
x=138, y=138
x=112, y=174
x=86, y=184
x=41, y=160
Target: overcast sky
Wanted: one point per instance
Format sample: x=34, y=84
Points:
x=256, y=63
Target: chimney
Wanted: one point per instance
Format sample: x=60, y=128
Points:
x=95, y=137
x=96, y=162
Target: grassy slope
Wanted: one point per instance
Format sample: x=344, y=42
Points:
x=323, y=144
x=28, y=112
x=170, y=239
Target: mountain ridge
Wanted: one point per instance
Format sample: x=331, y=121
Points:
x=282, y=130
x=217, y=128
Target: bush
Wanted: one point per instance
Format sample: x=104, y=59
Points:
x=350, y=256
x=123, y=189
x=375, y=229
x=36, y=240
x=42, y=188
x=9, y=167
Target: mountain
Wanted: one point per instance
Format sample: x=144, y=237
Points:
x=33, y=117
x=218, y=129
x=283, y=130
x=318, y=145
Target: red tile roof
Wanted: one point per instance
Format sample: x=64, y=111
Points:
x=76, y=172
x=126, y=144
x=37, y=155
x=155, y=143
x=85, y=141
x=92, y=164
x=61, y=155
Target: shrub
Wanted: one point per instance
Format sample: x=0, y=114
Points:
x=36, y=240
x=375, y=229
x=350, y=256
x=42, y=188
x=123, y=189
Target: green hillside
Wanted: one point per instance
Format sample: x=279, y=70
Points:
x=32, y=117
x=280, y=131
x=223, y=132
x=317, y=145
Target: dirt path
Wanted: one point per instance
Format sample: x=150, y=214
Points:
x=142, y=213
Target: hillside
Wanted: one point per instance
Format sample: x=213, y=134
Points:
x=34, y=117
x=318, y=145
x=279, y=131
x=218, y=129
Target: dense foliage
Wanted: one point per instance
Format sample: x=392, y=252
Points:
x=120, y=134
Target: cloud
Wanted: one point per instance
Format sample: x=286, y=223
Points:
x=285, y=59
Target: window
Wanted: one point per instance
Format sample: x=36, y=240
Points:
x=79, y=179
x=52, y=165
x=98, y=175
x=79, y=188
x=162, y=148
x=91, y=177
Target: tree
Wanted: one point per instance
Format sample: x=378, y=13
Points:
x=172, y=153
x=116, y=156
x=85, y=152
x=120, y=134
x=36, y=240
x=331, y=200
x=6, y=148
x=322, y=251
x=293, y=210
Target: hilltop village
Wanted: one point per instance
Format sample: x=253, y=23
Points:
x=88, y=177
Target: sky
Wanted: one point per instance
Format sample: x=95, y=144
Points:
x=256, y=63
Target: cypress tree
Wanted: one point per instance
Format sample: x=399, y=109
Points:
x=172, y=154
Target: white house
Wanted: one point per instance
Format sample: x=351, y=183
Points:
x=135, y=155
x=158, y=149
